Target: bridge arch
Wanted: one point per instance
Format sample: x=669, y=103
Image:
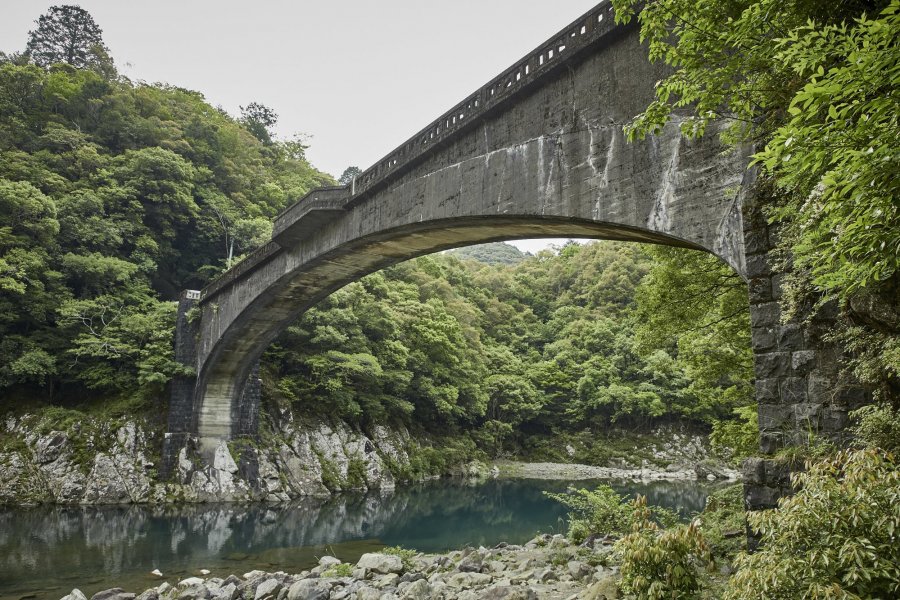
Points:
x=537, y=152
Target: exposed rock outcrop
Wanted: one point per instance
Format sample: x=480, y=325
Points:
x=300, y=459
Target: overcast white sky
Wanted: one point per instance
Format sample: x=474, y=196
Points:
x=357, y=77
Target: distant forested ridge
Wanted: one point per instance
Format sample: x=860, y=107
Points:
x=496, y=253
x=116, y=195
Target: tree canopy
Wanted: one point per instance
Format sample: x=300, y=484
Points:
x=68, y=34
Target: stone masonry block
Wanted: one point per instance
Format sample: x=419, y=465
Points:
x=808, y=415
x=767, y=391
x=790, y=337
x=762, y=338
x=850, y=397
x=770, y=441
x=772, y=364
x=765, y=315
x=758, y=266
x=756, y=241
x=777, y=286
x=818, y=388
x=760, y=290
x=775, y=416
x=754, y=470
x=793, y=390
x=835, y=420
x=803, y=361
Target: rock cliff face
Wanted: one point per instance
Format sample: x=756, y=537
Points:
x=119, y=465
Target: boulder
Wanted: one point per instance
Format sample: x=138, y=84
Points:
x=577, y=569
x=329, y=561
x=417, y=590
x=508, y=592
x=75, y=594
x=113, y=594
x=307, y=589
x=469, y=580
x=267, y=590
x=380, y=563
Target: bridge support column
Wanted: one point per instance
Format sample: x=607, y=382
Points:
x=801, y=386
x=181, y=400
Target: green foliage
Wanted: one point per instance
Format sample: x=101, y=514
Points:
x=356, y=473
x=405, y=554
x=661, y=564
x=878, y=426
x=836, y=537
x=339, y=570
x=723, y=521
x=331, y=475
x=599, y=511
x=701, y=304
x=814, y=87
x=835, y=157
x=68, y=34
x=603, y=511
x=736, y=439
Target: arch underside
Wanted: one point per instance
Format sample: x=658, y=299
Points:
x=278, y=307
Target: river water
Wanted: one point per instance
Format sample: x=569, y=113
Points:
x=46, y=551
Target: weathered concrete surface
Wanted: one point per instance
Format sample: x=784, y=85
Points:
x=555, y=163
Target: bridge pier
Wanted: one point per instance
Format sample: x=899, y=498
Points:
x=184, y=406
x=181, y=399
x=802, y=388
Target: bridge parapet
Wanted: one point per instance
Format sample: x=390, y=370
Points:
x=302, y=218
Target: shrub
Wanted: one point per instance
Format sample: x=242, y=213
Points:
x=722, y=517
x=341, y=570
x=835, y=538
x=405, y=555
x=878, y=426
x=602, y=511
x=661, y=564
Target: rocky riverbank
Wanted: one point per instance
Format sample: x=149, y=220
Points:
x=547, y=567
x=72, y=458
x=572, y=472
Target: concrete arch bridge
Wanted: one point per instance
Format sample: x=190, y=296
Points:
x=536, y=152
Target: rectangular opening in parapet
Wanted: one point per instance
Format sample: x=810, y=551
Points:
x=550, y=54
x=518, y=75
x=563, y=47
x=527, y=69
x=583, y=29
x=599, y=17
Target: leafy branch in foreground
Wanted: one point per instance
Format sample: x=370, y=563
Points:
x=835, y=538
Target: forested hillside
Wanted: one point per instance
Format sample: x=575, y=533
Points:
x=115, y=196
